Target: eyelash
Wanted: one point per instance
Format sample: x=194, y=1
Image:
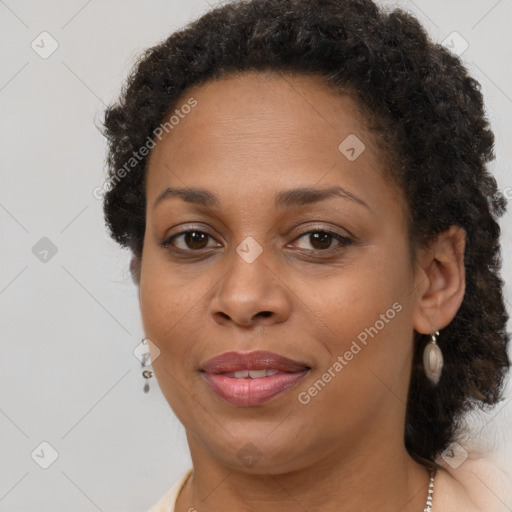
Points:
x=343, y=241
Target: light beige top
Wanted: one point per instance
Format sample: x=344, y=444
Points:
x=475, y=486
x=167, y=502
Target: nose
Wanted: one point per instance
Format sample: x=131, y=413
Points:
x=250, y=294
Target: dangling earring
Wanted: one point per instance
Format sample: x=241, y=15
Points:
x=433, y=359
x=147, y=374
x=145, y=361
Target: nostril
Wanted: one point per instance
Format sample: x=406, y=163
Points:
x=265, y=313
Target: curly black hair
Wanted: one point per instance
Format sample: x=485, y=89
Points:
x=429, y=119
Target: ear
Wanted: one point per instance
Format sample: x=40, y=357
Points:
x=441, y=281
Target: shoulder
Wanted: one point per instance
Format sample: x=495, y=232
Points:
x=477, y=485
x=168, y=501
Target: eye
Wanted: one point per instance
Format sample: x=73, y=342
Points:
x=322, y=240
x=192, y=239
x=195, y=240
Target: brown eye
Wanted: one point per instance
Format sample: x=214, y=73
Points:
x=321, y=240
x=189, y=240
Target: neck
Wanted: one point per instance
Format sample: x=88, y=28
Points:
x=346, y=482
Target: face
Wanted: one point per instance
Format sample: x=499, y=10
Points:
x=323, y=279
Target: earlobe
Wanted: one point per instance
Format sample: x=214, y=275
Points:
x=444, y=273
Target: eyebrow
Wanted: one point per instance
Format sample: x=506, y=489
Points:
x=287, y=198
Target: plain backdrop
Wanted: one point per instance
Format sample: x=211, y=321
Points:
x=71, y=387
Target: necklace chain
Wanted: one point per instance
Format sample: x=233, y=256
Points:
x=430, y=495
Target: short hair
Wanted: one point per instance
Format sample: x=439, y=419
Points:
x=426, y=113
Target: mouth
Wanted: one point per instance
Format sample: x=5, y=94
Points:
x=253, y=374
x=253, y=378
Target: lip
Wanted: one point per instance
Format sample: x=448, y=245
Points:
x=256, y=360
x=251, y=392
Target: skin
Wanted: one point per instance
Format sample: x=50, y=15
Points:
x=251, y=136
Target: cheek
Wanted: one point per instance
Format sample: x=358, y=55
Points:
x=164, y=302
x=167, y=316
x=367, y=310
x=357, y=297
x=174, y=310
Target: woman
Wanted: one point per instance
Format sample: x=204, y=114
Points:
x=303, y=186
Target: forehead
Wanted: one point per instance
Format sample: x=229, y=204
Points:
x=253, y=132
x=258, y=104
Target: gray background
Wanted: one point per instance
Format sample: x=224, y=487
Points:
x=70, y=321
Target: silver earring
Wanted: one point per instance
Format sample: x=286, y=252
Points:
x=145, y=361
x=433, y=359
x=147, y=374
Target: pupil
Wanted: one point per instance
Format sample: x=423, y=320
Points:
x=322, y=238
